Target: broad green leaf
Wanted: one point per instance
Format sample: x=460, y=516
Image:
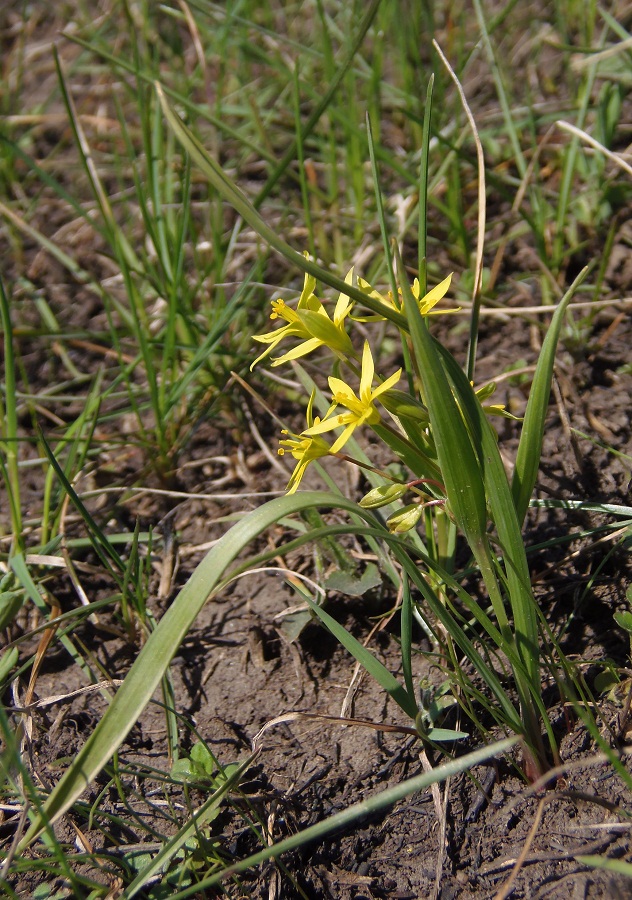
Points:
x=516, y=571
x=354, y=585
x=624, y=620
x=443, y=735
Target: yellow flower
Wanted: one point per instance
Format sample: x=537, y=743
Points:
x=426, y=303
x=311, y=324
x=362, y=409
x=492, y=409
x=430, y=300
x=305, y=449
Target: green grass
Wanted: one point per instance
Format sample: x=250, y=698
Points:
x=136, y=273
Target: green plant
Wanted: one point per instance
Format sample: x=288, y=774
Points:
x=440, y=432
x=252, y=93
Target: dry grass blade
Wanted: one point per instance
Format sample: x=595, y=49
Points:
x=482, y=211
x=299, y=716
x=507, y=887
x=587, y=139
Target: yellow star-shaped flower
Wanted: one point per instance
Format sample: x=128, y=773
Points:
x=361, y=410
x=311, y=324
x=305, y=449
x=426, y=303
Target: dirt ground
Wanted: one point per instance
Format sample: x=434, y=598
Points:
x=237, y=669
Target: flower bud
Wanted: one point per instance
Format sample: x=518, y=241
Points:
x=405, y=519
x=383, y=495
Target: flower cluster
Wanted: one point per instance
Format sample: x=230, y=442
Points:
x=400, y=419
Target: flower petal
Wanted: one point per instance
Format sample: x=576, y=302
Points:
x=342, y=391
x=388, y=384
x=308, y=290
x=344, y=304
x=433, y=296
x=344, y=437
x=331, y=422
x=368, y=371
x=299, y=350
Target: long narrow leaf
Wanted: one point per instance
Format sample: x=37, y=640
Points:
x=457, y=460
x=422, y=236
x=163, y=643
x=353, y=813
x=9, y=422
x=374, y=667
x=532, y=434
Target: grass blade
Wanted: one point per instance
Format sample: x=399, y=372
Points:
x=9, y=423
x=353, y=813
x=532, y=433
x=422, y=235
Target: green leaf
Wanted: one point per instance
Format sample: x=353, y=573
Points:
x=366, y=659
x=516, y=570
x=8, y=660
x=503, y=515
x=532, y=433
x=445, y=734
x=10, y=605
x=618, y=866
x=624, y=620
x=202, y=757
x=354, y=585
